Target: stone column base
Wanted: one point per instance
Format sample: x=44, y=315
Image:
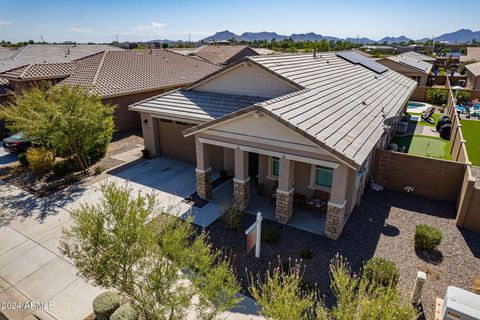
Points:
x=204, y=183
x=284, y=209
x=241, y=193
x=334, y=223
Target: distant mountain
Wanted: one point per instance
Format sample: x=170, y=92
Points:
x=460, y=36
x=394, y=39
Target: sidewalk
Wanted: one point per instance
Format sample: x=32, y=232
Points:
x=32, y=268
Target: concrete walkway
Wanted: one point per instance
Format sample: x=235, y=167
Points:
x=31, y=266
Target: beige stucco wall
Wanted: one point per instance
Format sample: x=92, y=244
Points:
x=406, y=71
x=247, y=79
x=473, y=82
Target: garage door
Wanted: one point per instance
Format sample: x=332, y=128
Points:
x=173, y=144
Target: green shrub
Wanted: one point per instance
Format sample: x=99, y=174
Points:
x=381, y=272
x=22, y=158
x=427, y=237
x=463, y=96
x=476, y=284
x=125, y=312
x=40, y=160
x=307, y=254
x=60, y=168
x=105, y=304
x=232, y=217
x=437, y=96
x=99, y=170
x=271, y=235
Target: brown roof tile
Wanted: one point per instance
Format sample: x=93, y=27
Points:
x=41, y=71
x=223, y=54
x=114, y=73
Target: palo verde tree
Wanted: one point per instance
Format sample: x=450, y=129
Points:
x=162, y=265
x=70, y=120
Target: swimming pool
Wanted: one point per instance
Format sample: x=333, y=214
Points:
x=416, y=107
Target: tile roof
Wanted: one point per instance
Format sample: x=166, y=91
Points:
x=474, y=68
x=41, y=71
x=47, y=53
x=418, y=56
x=3, y=86
x=341, y=106
x=412, y=63
x=202, y=106
x=113, y=73
x=222, y=54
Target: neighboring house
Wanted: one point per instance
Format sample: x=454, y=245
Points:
x=473, y=76
x=224, y=54
x=382, y=49
x=119, y=77
x=472, y=54
x=419, y=56
x=294, y=124
x=413, y=68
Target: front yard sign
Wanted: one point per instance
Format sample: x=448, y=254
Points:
x=254, y=235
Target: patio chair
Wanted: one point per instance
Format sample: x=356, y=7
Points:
x=319, y=200
x=273, y=192
x=427, y=115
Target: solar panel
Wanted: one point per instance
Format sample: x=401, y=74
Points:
x=414, y=63
x=356, y=58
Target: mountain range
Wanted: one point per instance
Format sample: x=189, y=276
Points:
x=459, y=36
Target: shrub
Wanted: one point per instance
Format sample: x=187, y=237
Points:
x=125, y=312
x=437, y=96
x=105, y=304
x=271, y=235
x=232, y=217
x=40, y=160
x=306, y=254
x=380, y=271
x=22, y=158
x=99, y=170
x=463, y=96
x=60, y=168
x=427, y=237
x=476, y=284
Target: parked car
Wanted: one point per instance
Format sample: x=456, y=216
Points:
x=16, y=143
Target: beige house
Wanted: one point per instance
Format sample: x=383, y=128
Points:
x=473, y=76
x=472, y=54
x=409, y=66
x=296, y=125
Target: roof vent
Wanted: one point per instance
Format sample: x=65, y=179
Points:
x=314, y=53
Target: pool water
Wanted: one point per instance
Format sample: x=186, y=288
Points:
x=412, y=106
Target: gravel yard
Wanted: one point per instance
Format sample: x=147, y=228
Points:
x=383, y=226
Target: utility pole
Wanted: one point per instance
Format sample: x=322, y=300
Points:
x=41, y=38
x=189, y=40
x=116, y=37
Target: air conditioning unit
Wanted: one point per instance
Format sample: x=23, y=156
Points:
x=460, y=304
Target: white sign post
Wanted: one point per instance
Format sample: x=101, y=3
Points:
x=254, y=235
x=418, y=288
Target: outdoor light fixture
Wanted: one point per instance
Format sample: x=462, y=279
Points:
x=145, y=122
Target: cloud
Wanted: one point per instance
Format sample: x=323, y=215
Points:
x=80, y=30
x=4, y=23
x=153, y=28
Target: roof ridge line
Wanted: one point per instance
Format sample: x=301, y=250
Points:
x=25, y=71
x=97, y=73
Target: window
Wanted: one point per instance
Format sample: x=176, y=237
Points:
x=323, y=176
x=275, y=167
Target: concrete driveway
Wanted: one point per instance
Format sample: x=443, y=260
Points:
x=33, y=269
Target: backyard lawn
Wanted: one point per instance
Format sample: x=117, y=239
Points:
x=425, y=146
x=435, y=116
x=471, y=133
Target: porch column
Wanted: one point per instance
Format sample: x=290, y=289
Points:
x=241, y=182
x=203, y=170
x=284, y=208
x=150, y=134
x=337, y=203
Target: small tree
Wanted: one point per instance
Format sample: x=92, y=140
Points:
x=121, y=244
x=70, y=120
x=437, y=96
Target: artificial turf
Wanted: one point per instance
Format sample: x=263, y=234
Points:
x=435, y=116
x=425, y=146
x=471, y=133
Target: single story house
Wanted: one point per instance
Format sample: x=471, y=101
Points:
x=472, y=54
x=119, y=77
x=473, y=76
x=409, y=66
x=224, y=54
x=419, y=56
x=294, y=124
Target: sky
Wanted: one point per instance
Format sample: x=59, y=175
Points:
x=104, y=20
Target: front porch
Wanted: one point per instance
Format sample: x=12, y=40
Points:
x=303, y=219
x=282, y=178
